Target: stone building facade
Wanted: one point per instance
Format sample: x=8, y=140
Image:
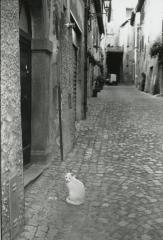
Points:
x=126, y=40
x=11, y=134
x=42, y=45
x=148, y=24
x=118, y=41
x=95, y=53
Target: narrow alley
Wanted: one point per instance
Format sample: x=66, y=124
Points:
x=81, y=93
x=119, y=157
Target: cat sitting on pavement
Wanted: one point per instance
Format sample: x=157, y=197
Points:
x=76, y=190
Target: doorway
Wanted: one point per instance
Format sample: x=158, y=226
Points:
x=114, y=64
x=25, y=78
x=25, y=82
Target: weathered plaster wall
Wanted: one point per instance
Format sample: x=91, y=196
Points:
x=62, y=70
x=77, y=8
x=67, y=77
x=67, y=91
x=11, y=139
x=55, y=8
x=94, y=48
x=151, y=31
x=127, y=41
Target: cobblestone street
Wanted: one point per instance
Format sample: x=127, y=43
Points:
x=118, y=156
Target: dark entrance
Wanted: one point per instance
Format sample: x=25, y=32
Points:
x=25, y=78
x=114, y=63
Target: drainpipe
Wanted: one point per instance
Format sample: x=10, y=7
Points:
x=135, y=54
x=60, y=119
x=85, y=56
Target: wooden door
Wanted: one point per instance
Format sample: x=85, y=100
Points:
x=25, y=80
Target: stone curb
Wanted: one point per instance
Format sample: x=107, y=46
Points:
x=33, y=172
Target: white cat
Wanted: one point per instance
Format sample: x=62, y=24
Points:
x=76, y=190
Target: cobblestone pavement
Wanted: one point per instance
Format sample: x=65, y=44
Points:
x=119, y=157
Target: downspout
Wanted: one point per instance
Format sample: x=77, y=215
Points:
x=135, y=54
x=60, y=116
x=85, y=56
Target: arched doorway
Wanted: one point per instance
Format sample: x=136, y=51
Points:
x=25, y=78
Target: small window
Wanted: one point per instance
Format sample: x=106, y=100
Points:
x=128, y=12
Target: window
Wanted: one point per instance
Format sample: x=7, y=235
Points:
x=128, y=12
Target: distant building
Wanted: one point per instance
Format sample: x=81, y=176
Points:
x=126, y=40
x=148, y=24
x=95, y=53
x=118, y=41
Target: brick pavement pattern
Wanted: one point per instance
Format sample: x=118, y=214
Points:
x=119, y=157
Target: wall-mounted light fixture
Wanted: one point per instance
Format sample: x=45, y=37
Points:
x=70, y=25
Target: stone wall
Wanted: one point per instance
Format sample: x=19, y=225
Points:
x=127, y=33
x=52, y=62
x=11, y=139
x=62, y=71
x=150, y=31
x=77, y=8
x=71, y=112
x=94, y=49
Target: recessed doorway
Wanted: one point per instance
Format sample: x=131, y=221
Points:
x=25, y=79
